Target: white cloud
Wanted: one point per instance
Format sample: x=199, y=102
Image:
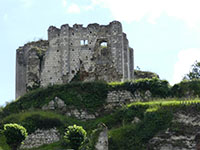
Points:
x=135, y=10
x=185, y=59
x=27, y=3
x=73, y=8
x=64, y=2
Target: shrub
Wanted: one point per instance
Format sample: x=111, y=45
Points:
x=37, y=121
x=87, y=95
x=158, y=88
x=75, y=136
x=14, y=134
x=194, y=73
x=187, y=89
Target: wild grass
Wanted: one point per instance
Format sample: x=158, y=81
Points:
x=154, y=116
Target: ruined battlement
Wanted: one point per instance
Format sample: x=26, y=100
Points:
x=77, y=53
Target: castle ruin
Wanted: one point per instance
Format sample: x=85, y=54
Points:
x=95, y=52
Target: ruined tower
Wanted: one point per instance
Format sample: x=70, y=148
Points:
x=95, y=52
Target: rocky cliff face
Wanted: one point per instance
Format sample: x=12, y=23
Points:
x=181, y=135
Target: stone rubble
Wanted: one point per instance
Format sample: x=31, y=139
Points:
x=41, y=137
x=59, y=105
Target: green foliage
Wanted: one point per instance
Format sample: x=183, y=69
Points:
x=158, y=88
x=3, y=144
x=14, y=134
x=187, y=89
x=90, y=141
x=75, y=136
x=154, y=116
x=39, y=122
x=136, y=136
x=194, y=73
x=90, y=96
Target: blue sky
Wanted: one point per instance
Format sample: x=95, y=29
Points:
x=165, y=34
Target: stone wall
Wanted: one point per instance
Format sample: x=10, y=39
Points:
x=40, y=137
x=95, y=52
x=118, y=99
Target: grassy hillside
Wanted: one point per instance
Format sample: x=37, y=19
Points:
x=89, y=95
x=154, y=116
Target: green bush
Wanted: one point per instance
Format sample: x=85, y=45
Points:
x=87, y=95
x=194, y=73
x=158, y=88
x=14, y=134
x=75, y=136
x=37, y=121
x=187, y=89
x=136, y=136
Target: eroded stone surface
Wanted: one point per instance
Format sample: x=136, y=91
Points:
x=29, y=65
x=40, y=137
x=102, y=143
x=58, y=104
x=181, y=137
x=120, y=98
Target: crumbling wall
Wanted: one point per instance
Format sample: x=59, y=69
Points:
x=95, y=52
x=29, y=64
x=41, y=137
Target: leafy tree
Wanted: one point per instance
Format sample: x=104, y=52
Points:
x=75, y=136
x=14, y=134
x=194, y=73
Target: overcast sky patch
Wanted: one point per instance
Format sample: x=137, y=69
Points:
x=151, y=10
x=27, y=3
x=73, y=9
x=5, y=17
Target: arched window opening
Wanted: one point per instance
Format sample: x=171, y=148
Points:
x=104, y=44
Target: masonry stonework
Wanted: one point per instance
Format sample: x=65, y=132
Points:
x=95, y=52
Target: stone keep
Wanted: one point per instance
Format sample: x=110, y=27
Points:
x=95, y=52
